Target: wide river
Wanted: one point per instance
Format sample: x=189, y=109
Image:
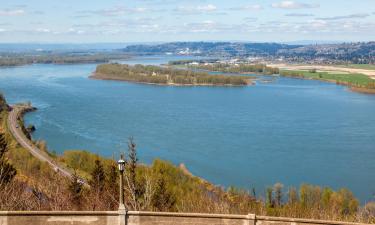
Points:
x=290, y=131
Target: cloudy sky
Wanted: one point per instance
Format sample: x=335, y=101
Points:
x=85, y=21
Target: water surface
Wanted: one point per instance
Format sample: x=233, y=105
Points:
x=291, y=131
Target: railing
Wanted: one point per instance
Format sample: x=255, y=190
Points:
x=123, y=217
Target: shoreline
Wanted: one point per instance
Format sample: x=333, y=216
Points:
x=349, y=87
x=17, y=129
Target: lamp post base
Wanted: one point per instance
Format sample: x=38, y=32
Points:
x=122, y=214
x=121, y=207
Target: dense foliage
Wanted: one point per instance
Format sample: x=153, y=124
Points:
x=237, y=68
x=163, y=75
x=19, y=59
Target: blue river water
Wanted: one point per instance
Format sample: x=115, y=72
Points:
x=290, y=131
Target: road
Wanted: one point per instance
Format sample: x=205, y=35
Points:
x=18, y=134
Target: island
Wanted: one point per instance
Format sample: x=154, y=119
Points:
x=159, y=75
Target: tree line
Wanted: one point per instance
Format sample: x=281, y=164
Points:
x=236, y=68
x=164, y=75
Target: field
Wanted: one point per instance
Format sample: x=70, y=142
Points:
x=360, y=66
x=354, y=79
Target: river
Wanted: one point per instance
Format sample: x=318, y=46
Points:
x=290, y=131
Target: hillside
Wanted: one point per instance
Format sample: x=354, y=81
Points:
x=359, y=52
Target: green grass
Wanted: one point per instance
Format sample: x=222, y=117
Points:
x=360, y=66
x=355, y=79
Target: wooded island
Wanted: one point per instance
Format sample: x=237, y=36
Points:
x=165, y=76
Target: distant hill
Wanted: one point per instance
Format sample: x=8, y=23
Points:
x=359, y=52
x=210, y=48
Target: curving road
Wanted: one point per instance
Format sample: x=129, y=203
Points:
x=18, y=134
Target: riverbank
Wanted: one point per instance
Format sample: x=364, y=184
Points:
x=16, y=127
x=355, y=82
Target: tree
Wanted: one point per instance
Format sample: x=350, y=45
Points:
x=269, y=198
x=7, y=171
x=97, y=184
x=135, y=188
x=163, y=199
x=75, y=188
x=132, y=162
x=292, y=196
x=97, y=181
x=112, y=176
x=278, y=193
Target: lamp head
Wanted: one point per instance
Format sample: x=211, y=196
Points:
x=121, y=163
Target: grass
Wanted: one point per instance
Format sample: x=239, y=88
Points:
x=354, y=79
x=360, y=66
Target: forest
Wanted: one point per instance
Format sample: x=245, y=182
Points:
x=234, y=68
x=165, y=75
x=25, y=58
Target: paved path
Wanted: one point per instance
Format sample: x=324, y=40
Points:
x=18, y=134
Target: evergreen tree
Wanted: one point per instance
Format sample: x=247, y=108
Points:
x=97, y=181
x=133, y=160
x=75, y=188
x=278, y=193
x=7, y=171
x=163, y=199
x=112, y=176
x=269, y=198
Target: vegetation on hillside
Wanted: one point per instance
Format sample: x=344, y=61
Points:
x=162, y=75
x=160, y=186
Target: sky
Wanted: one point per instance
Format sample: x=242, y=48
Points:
x=96, y=21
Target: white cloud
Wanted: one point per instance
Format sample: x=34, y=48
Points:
x=293, y=5
x=196, y=9
x=299, y=14
x=351, y=16
x=43, y=30
x=15, y=12
x=207, y=8
x=112, y=12
x=248, y=7
x=2, y=30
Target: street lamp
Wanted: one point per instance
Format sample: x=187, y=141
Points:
x=121, y=168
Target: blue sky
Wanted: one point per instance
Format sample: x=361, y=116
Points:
x=91, y=21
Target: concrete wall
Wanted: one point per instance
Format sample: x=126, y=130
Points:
x=148, y=218
x=60, y=218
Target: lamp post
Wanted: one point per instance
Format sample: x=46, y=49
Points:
x=121, y=168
